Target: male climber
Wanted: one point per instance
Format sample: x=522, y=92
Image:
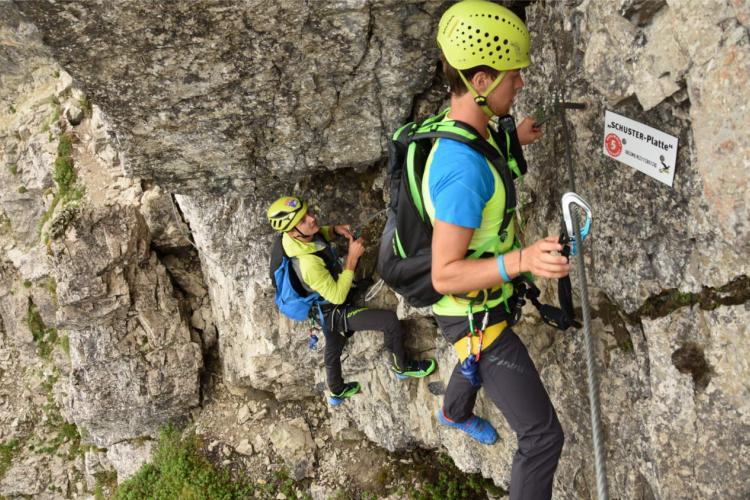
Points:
x=307, y=244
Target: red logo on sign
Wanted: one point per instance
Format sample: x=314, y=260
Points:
x=613, y=145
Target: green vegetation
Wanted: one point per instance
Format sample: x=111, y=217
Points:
x=444, y=481
x=63, y=432
x=178, y=470
x=64, y=174
x=26, y=284
x=7, y=450
x=105, y=482
x=45, y=338
x=68, y=191
x=13, y=169
x=22, y=189
x=12, y=109
x=50, y=285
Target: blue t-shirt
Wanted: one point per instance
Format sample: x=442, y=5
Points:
x=460, y=183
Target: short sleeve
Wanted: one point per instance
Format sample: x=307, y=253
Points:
x=460, y=184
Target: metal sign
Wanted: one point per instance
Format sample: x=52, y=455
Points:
x=642, y=147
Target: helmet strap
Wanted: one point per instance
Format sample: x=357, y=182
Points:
x=301, y=233
x=481, y=99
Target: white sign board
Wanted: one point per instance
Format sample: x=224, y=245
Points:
x=642, y=147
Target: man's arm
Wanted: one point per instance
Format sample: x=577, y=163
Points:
x=452, y=272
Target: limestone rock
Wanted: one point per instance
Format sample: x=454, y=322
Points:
x=128, y=457
x=245, y=448
x=350, y=69
x=166, y=230
x=294, y=443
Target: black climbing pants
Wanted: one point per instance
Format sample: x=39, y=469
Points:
x=512, y=382
x=344, y=321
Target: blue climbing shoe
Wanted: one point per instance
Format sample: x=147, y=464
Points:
x=415, y=369
x=350, y=389
x=477, y=428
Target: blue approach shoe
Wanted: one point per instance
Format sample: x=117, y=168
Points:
x=415, y=369
x=477, y=428
x=350, y=389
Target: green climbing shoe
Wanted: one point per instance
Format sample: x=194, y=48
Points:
x=416, y=369
x=350, y=389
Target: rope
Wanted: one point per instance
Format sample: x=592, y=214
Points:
x=592, y=379
x=374, y=289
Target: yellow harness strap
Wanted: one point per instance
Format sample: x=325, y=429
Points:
x=490, y=335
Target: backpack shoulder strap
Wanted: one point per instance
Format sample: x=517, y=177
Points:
x=462, y=132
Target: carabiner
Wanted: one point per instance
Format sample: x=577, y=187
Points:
x=568, y=199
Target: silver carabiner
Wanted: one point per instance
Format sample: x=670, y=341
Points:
x=568, y=199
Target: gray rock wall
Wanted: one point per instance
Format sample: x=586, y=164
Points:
x=232, y=104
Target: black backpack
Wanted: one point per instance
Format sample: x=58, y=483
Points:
x=405, y=254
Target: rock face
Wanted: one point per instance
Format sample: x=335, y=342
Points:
x=244, y=87
x=236, y=104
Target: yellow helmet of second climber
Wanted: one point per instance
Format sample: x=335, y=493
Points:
x=286, y=212
x=477, y=33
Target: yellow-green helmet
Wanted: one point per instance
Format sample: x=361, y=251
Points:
x=479, y=33
x=286, y=212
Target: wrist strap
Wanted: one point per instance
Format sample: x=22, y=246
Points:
x=501, y=268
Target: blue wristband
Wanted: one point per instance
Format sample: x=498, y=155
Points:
x=501, y=268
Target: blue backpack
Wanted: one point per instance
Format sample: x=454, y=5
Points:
x=291, y=297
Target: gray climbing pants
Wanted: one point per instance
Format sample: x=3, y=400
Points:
x=512, y=382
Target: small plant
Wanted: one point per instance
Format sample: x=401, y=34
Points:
x=106, y=482
x=13, y=169
x=64, y=174
x=68, y=191
x=45, y=338
x=22, y=189
x=26, y=284
x=7, y=450
x=12, y=109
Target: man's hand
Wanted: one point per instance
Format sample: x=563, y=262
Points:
x=356, y=249
x=344, y=230
x=538, y=259
x=528, y=132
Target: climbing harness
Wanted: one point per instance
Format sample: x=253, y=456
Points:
x=576, y=237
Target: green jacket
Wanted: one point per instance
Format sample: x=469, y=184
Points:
x=312, y=268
